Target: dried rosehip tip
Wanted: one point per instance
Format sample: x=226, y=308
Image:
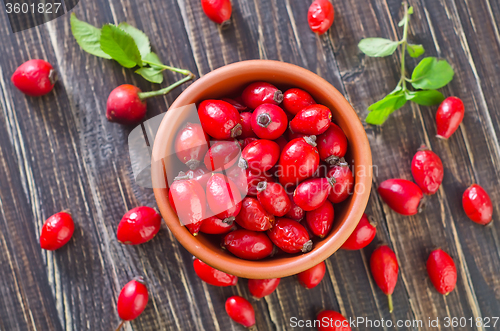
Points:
x=236, y=131
x=311, y=140
x=308, y=246
x=264, y=120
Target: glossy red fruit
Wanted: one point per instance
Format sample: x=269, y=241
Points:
x=363, y=234
x=385, y=268
x=332, y=144
x=138, y=225
x=343, y=180
x=259, y=156
x=401, y=195
x=449, y=116
x=310, y=278
x=223, y=197
x=219, y=119
x=201, y=175
x=133, y=299
x=320, y=220
x=222, y=155
x=332, y=321
x=427, y=170
x=213, y=276
x=477, y=204
x=290, y=236
x=295, y=99
x=248, y=245
x=281, y=141
x=273, y=198
x=299, y=160
x=259, y=93
x=260, y=288
x=218, y=11
x=191, y=145
x=246, y=123
x=187, y=198
x=296, y=213
x=269, y=121
x=253, y=216
x=236, y=103
x=241, y=311
x=57, y=231
x=442, y=271
x=34, y=77
x=320, y=16
x=312, y=120
x=312, y=193
x=124, y=105
x=214, y=225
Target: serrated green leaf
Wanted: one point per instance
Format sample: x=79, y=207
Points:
x=87, y=36
x=154, y=75
x=378, y=47
x=153, y=58
x=425, y=98
x=380, y=111
x=140, y=38
x=431, y=74
x=120, y=46
x=415, y=50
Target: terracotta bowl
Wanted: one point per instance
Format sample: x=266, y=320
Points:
x=230, y=80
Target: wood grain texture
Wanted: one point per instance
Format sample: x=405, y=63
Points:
x=59, y=152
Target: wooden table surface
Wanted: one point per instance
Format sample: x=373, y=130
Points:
x=59, y=152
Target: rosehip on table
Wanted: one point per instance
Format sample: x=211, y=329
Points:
x=363, y=234
x=219, y=119
x=295, y=99
x=403, y=196
x=34, y=77
x=312, y=120
x=259, y=156
x=269, y=121
x=477, y=204
x=138, y=225
x=332, y=321
x=332, y=144
x=296, y=213
x=248, y=245
x=427, y=170
x=223, y=197
x=260, y=288
x=213, y=276
x=218, y=11
x=259, y=93
x=442, y=271
x=125, y=106
x=222, y=155
x=187, y=198
x=246, y=126
x=191, y=145
x=299, y=160
x=236, y=103
x=320, y=16
x=273, y=198
x=320, y=220
x=132, y=300
x=311, y=277
x=449, y=116
x=214, y=225
x=253, y=216
x=241, y=311
x=312, y=193
x=343, y=182
x=57, y=231
x=290, y=236
x=385, y=268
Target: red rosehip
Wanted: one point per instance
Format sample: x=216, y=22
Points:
x=218, y=11
x=299, y=160
x=427, y=170
x=281, y=141
x=201, y=175
x=363, y=234
x=260, y=288
x=191, y=145
x=269, y=121
x=236, y=103
x=133, y=299
x=293, y=135
x=247, y=141
x=246, y=123
x=248, y=245
x=259, y=93
x=214, y=225
x=213, y=276
x=442, y=271
x=401, y=195
x=384, y=267
x=449, y=116
x=223, y=197
x=332, y=144
x=125, y=106
x=57, y=231
x=312, y=120
x=138, y=225
x=295, y=99
x=332, y=321
x=253, y=216
x=310, y=278
x=320, y=220
x=477, y=204
x=343, y=182
x=222, y=155
x=34, y=78
x=296, y=213
x=312, y=193
x=259, y=156
x=320, y=16
x=273, y=198
x=219, y=119
x=241, y=311
x=290, y=236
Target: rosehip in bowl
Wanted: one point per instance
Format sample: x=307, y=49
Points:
x=427, y=170
x=191, y=145
x=442, y=271
x=218, y=11
x=299, y=160
x=269, y=121
x=449, y=116
x=311, y=277
x=125, y=106
x=222, y=155
x=260, y=288
x=296, y=213
x=223, y=197
x=219, y=119
x=343, y=182
x=332, y=144
x=57, y=231
x=290, y=236
x=241, y=311
x=247, y=141
x=138, y=225
x=253, y=216
x=213, y=276
x=273, y=198
x=320, y=220
x=201, y=175
x=384, y=267
x=332, y=321
x=477, y=204
x=248, y=245
x=259, y=93
x=295, y=99
x=133, y=299
x=259, y=156
x=312, y=193
x=312, y=120
x=236, y=103
x=34, y=77
x=187, y=198
x=246, y=126
x=281, y=141
x=401, y=195
x=363, y=234
x=320, y=16
x=214, y=225
x=294, y=135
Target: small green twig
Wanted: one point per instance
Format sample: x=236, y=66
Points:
x=404, y=43
x=185, y=72
x=163, y=91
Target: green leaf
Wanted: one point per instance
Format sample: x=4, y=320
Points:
x=381, y=110
x=415, y=50
x=154, y=75
x=378, y=47
x=431, y=74
x=140, y=38
x=425, y=98
x=402, y=22
x=120, y=46
x=410, y=10
x=87, y=36
x=153, y=58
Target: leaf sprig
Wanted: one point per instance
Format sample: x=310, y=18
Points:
x=126, y=45
x=428, y=76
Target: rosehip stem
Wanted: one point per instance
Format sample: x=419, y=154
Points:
x=120, y=325
x=404, y=42
x=185, y=72
x=163, y=91
x=389, y=299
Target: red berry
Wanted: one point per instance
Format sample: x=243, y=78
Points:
x=332, y=321
x=295, y=99
x=201, y=175
x=241, y=311
x=312, y=120
x=442, y=271
x=247, y=141
x=248, y=245
x=214, y=225
x=320, y=220
x=427, y=170
x=332, y=144
x=57, y=231
x=187, y=198
x=449, y=116
x=253, y=216
x=246, y=123
x=363, y=234
x=133, y=299
x=236, y=103
x=312, y=193
x=218, y=11
x=219, y=119
x=260, y=288
x=259, y=156
x=343, y=182
x=401, y=195
x=34, y=78
x=213, y=276
x=296, y=213
x=291, y=135
x=259, y=93
x=191, y=145
x=385, y=268
x=124, y=105
x=222, y=155
x=281, y=141
x=320, y=16
x=299, y=160
x=247, y=181
x=290, y=236
x=138, y=225
x=312, y=277
x=223, y=197
x=273, y=198
x=477, y=204
x=269, y=121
